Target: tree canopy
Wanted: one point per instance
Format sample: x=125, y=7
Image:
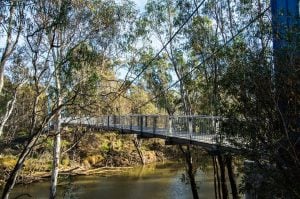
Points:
x=215, y=57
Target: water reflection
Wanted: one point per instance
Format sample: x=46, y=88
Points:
x=158, y=181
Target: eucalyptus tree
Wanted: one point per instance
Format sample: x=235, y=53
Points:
x=201, y=45
x=157, y=79
x=12, y=17
x=160, y=19
x=14, y=84
x=97, y=23
x=251, y=100
x=189, y=49
x=12, y=23
x=68, y=45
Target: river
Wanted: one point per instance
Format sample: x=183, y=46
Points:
x=158, y=181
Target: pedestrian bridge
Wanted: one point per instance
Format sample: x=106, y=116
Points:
x=198, y=130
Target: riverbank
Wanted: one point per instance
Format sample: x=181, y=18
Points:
x=27, y=178
x=95, y=153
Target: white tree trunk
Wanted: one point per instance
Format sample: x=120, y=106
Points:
x=56, y=149
x=57, y=130
x=57, y=140
x=11, y=180
x=56, y=158
x=9, y=108
x=1, y=77
x=11, y=38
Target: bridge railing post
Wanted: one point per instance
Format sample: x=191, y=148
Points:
x=130, y=122
x=204, y=123
x=141, y=123
x=218, y=129
x=108, y=121
x=146, y=121
x=102, y=121
x=170, y=124
x=122, y=120
x=154, y=124
x=190, y=126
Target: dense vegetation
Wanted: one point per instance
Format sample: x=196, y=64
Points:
x=96, y=57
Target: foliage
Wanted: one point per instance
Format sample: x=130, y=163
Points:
x=69, y=60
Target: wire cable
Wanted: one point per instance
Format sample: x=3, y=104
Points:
x=121, y=89
x=208, y=58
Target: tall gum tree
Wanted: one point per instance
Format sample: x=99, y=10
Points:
x=12, y=23
x=58, y=30
x=12, y=17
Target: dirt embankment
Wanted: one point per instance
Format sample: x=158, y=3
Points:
x=85, y=154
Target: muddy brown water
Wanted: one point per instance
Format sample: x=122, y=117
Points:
x=155, y=181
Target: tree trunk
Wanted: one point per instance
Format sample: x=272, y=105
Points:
x=56, y=159
x=223, y=179
x=234, y=190
x=190, y=170
x=215, y=177
x=57, y=142
x=9, y=108
x=10, y=182
x=10, y=43
x=137, y=145
x=1, y=77
x=218, y=178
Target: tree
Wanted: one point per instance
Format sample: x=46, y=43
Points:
x=12, y=20
x=65, y=42
x=251, y=101
x=12, y=23
x=163, y=18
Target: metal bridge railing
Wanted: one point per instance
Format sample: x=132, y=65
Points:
x=193, y=127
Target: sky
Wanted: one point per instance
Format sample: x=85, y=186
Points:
x=140, y=3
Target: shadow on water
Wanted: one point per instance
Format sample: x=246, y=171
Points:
x=157, y=181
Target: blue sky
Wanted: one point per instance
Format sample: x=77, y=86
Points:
x=140, y=3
